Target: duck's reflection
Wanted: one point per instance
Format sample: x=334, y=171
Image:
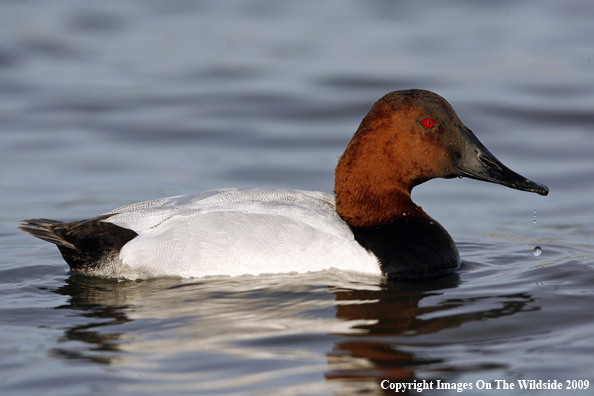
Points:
x=364, y=360
x=409, y=319
x=98, y=305
x=376, y=332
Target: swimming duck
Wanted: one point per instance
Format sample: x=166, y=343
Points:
x=372, y=226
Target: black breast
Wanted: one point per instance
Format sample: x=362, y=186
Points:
x=410, y=248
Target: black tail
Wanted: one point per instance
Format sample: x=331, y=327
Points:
x=83, y=244
x=44, y=229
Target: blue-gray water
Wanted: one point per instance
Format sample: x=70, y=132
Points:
x=107, y=103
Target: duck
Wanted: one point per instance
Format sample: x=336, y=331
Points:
x=369, y=226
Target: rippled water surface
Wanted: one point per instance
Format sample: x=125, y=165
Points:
x=107, y=103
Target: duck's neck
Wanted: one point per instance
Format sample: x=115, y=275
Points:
x=386, y=222
x=373, y=205
x=370, y=189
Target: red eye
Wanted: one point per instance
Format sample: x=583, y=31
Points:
x=428, y=123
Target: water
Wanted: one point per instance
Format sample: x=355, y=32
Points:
x=106, y=104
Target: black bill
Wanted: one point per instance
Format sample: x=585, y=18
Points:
x=478, y=163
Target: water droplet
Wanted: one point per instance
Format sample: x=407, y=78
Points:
x=537, y=251
x=534, y=217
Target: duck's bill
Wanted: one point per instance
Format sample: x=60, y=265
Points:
x=478, y=163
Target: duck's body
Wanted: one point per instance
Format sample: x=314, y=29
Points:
x=373, y=227
x=221, y=232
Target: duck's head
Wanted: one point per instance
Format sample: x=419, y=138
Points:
x=407, y=138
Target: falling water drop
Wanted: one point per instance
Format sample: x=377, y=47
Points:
x=534, y=217
x=537, y=251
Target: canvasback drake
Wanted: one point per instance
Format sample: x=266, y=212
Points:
x=372, y=227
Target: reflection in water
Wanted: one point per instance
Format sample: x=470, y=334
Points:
x=395, y=311
x=384, y=350
x=99, y=303
x=369, y=332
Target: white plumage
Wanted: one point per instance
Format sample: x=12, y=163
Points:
x=234, y=232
